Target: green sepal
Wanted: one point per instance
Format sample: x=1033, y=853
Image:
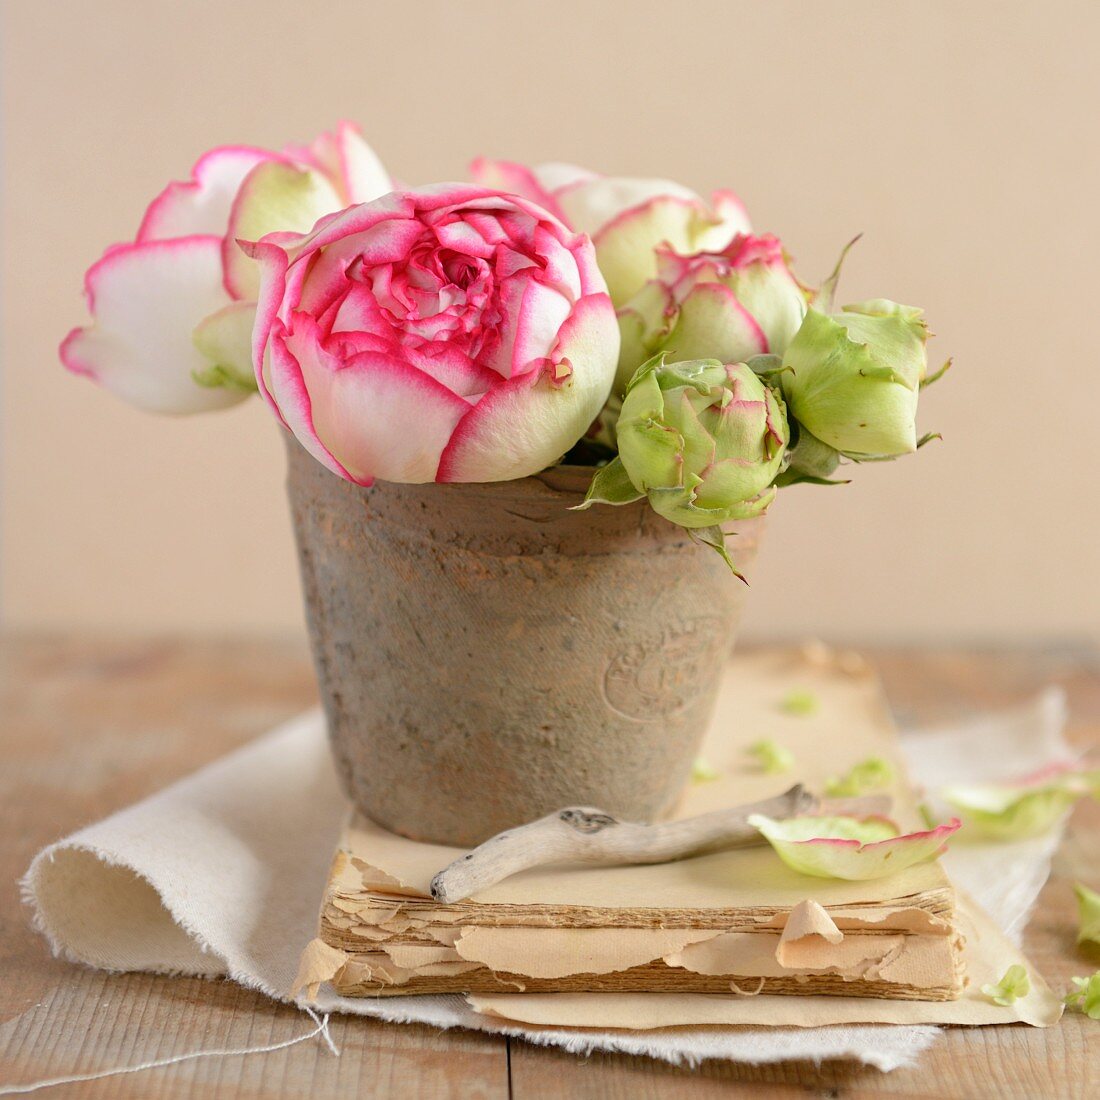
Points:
x=611, y=485
x=647, y=367
x=766, y=366
x=810, y=462
x=826, y=294
x=793, y=477
x=715, y=538
x=219, y=377
x=860, y=460
x=928, y=379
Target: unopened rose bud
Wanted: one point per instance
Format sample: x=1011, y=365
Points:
x=852, y=378
x=703, y=441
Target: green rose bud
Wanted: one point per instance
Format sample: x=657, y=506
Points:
x=852, y=378
x=702, y=441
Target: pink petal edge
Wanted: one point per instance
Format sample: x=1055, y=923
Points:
x=945, y=830
x=69, y=359
x=526, y=185
x=172, y=192
x=299, y=417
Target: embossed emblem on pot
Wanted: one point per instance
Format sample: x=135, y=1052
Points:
x=661, y=677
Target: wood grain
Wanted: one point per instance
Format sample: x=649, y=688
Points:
x=91, y=724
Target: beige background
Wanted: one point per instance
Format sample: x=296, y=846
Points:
x=961, y=138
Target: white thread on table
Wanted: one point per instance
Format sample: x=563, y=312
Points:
x=320, y=1030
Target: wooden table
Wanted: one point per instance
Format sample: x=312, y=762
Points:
x=91, y=724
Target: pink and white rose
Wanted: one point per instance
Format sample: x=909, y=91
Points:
x=173, y=309
x=626, y=218
x=730, y=305
x=450, y=333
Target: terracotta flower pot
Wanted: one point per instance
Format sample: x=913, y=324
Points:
x=486, y=656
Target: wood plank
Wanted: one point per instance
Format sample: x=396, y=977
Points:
x=998, y=1063
x=90, y=726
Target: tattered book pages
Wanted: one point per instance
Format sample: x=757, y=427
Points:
x=737, y=921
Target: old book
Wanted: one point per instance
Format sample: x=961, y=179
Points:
x=736, y=921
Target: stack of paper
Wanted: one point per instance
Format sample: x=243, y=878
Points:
x=729, y=922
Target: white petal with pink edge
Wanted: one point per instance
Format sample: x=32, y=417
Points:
x=590, y=205
x=542, y=313
x=730, y=219
x=146, y=300
x=515, y=179
x=275, y=196
x=527, y=423
x=201, y=204
x=775, y=300
x=349, y=162
x=284, y=389
x=377, y=415
x=365, y=177
x=713, y=324
x=625, y=247
x=557, y=176
x=853, y=848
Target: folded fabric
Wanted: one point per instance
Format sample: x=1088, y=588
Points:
x=220, y=874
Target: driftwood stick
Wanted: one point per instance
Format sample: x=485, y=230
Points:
x=583, y=834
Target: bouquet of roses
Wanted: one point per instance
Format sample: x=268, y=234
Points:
x=484, y=331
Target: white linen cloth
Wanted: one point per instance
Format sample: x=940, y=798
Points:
x=221, y=874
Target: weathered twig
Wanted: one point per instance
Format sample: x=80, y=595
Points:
x=582, y=834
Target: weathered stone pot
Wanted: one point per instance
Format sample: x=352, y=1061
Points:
x=486, y=656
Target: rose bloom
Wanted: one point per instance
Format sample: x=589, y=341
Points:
x=173, y=309
x=626, y=218
x=728, y=305
x=450, y=333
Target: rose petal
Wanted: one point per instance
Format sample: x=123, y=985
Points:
x=274, y=196
x=850, y=847
x=273, y=260
x=1030, y=807
x=590, y=206
x=146, y=300
x=730, y=219
x=713, y=324
x=201, y=204
x=443, y=362
x=348, y=162
x=515, y=179
x=541, y=313
x=625, y=246
x=774, y=299
x=361, y=172
x=558, y=177
x=518, y=427
x=363, y=410
x=225, y=340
